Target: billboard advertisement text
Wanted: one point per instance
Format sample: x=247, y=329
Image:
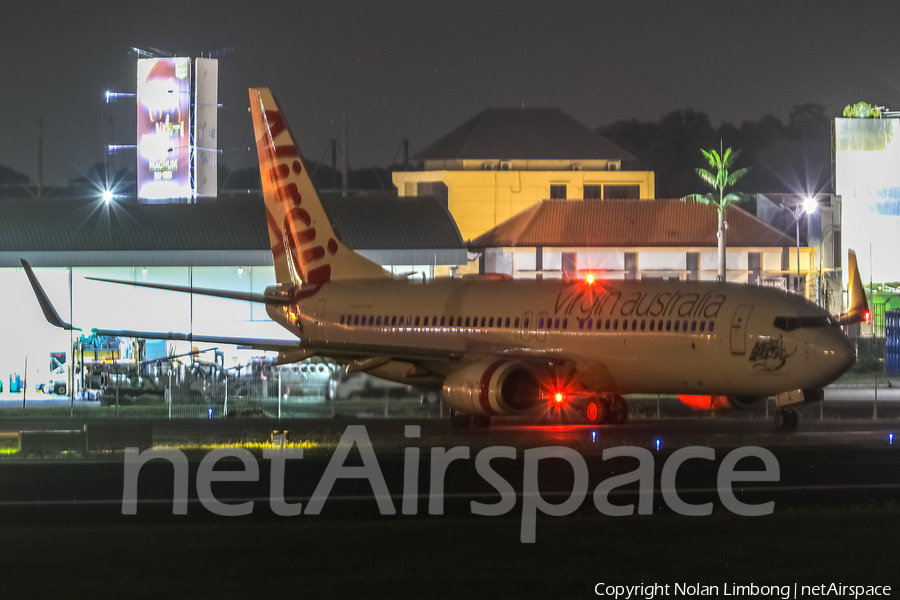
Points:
x=163, y=129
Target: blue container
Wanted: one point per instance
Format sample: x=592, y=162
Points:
x=15, y=384
x=892, y=341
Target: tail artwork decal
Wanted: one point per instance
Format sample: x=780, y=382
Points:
x=304, y=246
x=858, y=310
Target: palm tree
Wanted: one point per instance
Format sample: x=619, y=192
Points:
x=721, y=162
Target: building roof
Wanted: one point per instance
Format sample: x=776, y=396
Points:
x=378, y=222
x=523, y=134
x=234, y=226
x=67, y=225
x=628, y=223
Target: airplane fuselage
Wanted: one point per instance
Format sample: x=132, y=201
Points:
x=622, y=336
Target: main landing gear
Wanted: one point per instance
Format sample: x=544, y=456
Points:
x=463, y=421
x=597, y=410
x=460, y=420
x=605, y=409
x=786, y=419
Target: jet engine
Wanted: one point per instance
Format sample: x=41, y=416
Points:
x=721, y=402
x=493, y=387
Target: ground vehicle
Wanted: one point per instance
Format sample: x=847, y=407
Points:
x=359, y=386
x=58, y=381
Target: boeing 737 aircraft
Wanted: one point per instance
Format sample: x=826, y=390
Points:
x=498, y=346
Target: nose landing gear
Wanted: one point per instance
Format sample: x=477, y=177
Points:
x=786, y=418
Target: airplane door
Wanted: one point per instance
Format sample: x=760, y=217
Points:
x=526, y=324
x=318, y=317
x=541, y=325
x=739, y=329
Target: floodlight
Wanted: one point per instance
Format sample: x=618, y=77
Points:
x=810, y=205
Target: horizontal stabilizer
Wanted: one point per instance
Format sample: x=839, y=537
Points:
x=279, y=300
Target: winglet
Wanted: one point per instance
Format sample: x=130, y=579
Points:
x=49, y=312
x=859, y=305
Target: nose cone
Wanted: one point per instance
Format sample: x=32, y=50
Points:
x=835, y=353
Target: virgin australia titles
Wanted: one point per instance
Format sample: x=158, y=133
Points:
x=532, y=499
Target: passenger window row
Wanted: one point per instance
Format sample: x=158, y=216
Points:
x=648, y=325
x=542, y=323
x=433, y=321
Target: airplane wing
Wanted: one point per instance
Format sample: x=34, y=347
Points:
x=330, y=349
x=46, y=306
x=338, y=350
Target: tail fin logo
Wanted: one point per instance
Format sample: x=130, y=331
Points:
x=304, y=246
x=292, y=229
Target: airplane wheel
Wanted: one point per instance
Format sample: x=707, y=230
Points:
x=780, y=420
x=596, y=411
x=618, y=411
x=794, y=419
x=786, y=419
x=459, y=420
x=482, y=421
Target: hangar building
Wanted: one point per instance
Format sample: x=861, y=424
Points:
x=222, y=244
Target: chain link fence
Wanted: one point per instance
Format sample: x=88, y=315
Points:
x=290, y=391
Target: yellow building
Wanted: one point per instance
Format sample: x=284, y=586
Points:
x=504, y=160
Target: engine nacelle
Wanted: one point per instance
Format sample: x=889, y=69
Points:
x=721, y=402
x=493, y=387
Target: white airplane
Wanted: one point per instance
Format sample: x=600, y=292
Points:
x=498, y=346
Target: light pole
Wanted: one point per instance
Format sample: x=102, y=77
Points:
x=809, y=206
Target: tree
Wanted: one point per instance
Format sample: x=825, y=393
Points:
x=721, y=180
x=9, y=176
x=785, y=158
x=663, y=146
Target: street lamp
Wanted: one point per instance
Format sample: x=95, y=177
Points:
x=808, y=207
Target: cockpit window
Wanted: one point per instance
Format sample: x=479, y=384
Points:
x=792, y=323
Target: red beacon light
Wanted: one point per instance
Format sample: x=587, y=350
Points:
x=589, y=279
x=867, y=315
x=559, y=397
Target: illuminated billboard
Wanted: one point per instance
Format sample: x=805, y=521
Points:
x=867, y=177
x=163, y=129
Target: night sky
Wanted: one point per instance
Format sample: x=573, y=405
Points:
x=418, y=69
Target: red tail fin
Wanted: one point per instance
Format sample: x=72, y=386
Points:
x=304, y=245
